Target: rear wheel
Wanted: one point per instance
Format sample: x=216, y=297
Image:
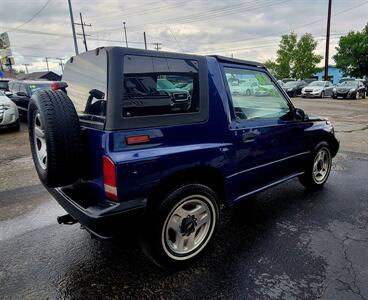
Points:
x=180, y=226
x=318, y=168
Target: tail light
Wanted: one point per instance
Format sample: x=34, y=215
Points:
x=55, y=86
x=59, y=85
x=109, y=174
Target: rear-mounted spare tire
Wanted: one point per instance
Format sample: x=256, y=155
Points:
x=54, y=135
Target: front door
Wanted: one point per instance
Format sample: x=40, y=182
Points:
x=268, y=140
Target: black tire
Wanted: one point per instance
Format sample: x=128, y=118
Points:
x=17, y=125
x=61, y=131
x=334, y=97
x=363, y=96
x=308, y=179
x=295, y=94
x=357, y=95
x=154, y=241
x=247, y=93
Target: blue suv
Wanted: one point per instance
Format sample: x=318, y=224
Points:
x=119, y=143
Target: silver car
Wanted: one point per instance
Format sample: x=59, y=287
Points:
x=9, y=116
x=318, y=89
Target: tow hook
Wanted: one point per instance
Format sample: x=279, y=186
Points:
x=66, y=219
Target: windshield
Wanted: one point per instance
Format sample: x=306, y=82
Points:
x=348, y=83
x=317, y=83
x=3, y=85
x=291, y=84
x=39, y=86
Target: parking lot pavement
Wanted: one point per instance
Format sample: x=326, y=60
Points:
x=282, y=243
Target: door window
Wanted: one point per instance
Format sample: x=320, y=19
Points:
x=254, y=95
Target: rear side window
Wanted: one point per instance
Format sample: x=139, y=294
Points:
x=154, y=86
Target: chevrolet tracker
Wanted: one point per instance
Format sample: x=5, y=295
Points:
x=168, y=138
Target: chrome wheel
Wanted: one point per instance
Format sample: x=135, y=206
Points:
x=321, y=166
x=188, y=227
x=40, y=141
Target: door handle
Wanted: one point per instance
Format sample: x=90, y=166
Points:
x=248, y=137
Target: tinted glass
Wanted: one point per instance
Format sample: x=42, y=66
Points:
x=86, y=77
x=263, y=100
x=159, y=86
x=34, y=87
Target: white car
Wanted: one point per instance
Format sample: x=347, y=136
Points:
x=319, y=89
x=9, y=116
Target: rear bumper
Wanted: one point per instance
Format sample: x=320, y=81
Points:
x=106, y=219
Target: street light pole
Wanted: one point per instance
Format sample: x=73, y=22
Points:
x=73, y=28
x=125, y=33
x=328, y=38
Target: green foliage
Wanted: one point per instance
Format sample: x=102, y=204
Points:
x=295, y=58
x=352, y=53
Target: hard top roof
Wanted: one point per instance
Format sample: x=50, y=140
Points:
x=135, y=51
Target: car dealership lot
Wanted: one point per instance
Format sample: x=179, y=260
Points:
x=283, y=243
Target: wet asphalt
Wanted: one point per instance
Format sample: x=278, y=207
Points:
x=285, y=243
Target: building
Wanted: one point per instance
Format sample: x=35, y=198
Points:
x=334, y=74
x=48, y=75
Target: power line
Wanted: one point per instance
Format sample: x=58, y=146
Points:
x=33, y=17
x=206, y=15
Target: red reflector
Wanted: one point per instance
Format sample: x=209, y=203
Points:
x=55, y=86
x=137, y=139
x=109, y=175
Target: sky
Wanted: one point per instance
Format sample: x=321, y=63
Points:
x=248, y=29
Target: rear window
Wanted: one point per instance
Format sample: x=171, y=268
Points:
x=156, y=86
x=86, y=76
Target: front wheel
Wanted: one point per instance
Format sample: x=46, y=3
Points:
x=180, y=225
x=318, y=168
x=322, y=94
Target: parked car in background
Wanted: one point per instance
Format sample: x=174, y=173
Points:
x=280, y=82
x=285, y=80
x=21, y=92
x=4, y=85
x=9, y=117
x=245, y=87
x=349, y=89
x=294, y=88
x=180, y=98
x=346, y=79
x=319, y=89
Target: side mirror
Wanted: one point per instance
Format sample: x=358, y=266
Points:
x=300, y=114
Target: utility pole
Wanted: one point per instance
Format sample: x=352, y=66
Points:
x=73, y=28
x=61, y=64
x=145, y=40
x=47, y=63
x=328, y=38
x=157, y=46
x=126, y=38
x=26, y=66
x=83, y=32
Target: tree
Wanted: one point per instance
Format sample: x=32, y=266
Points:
x=352, y=53
x=295, y=58
x=305, y=61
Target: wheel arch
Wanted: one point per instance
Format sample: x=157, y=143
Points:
x=206, y=175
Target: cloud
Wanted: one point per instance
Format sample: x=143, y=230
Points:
x=247, y=29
